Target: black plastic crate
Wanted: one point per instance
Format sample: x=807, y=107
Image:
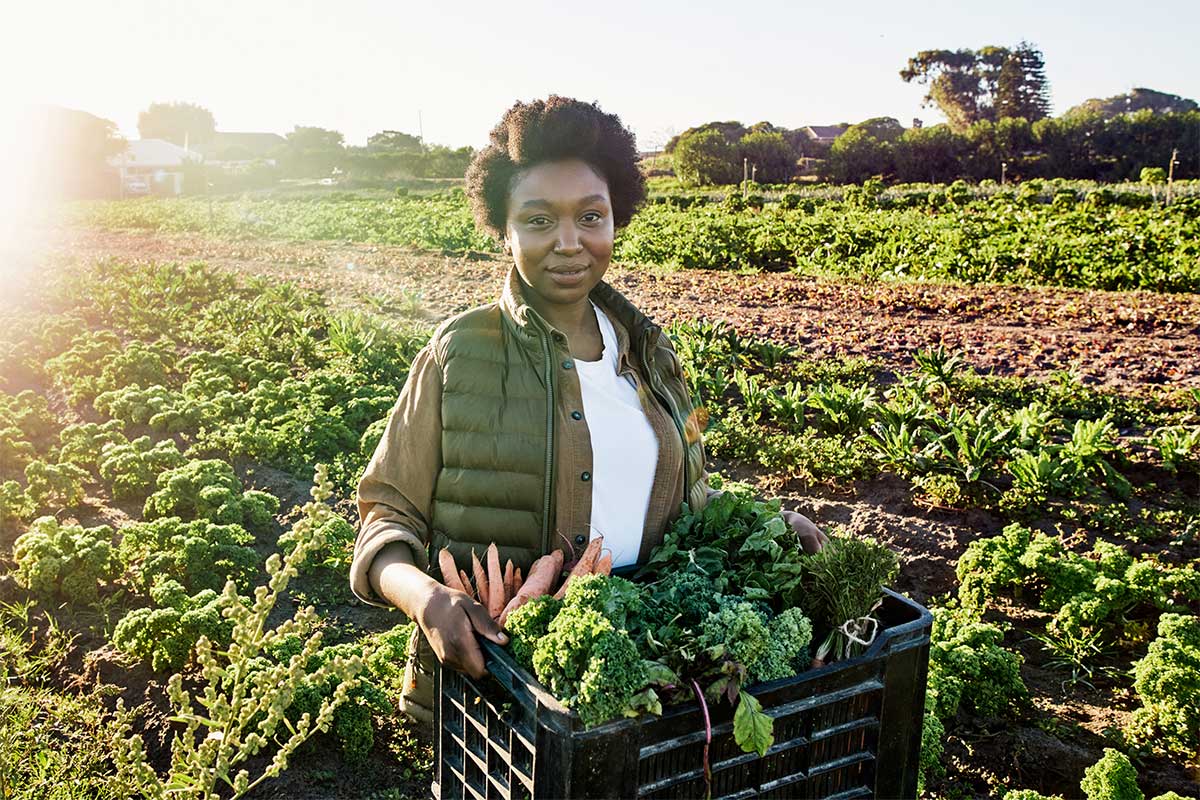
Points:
x=849, y=729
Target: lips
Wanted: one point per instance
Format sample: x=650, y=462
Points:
x=571, y=270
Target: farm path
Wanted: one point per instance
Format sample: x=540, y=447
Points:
x=1116, y=339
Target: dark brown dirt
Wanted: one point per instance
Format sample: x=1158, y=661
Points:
x=1117, y=339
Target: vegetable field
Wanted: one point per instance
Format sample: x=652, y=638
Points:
x=1004, y=390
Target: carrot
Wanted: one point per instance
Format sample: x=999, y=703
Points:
x=604, y=564
x=466, y=581
x=450, y=571
x=517, y=581
x=584, y=566
x=509, y=577
x=481, y=581
x=540, y=581
x=495, y=576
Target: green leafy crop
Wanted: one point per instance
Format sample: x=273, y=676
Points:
x=1167, y=681
x=198, y=554
x=55, y=560
x=584, y=659
x=163, y=635
x=210, y=490
x=969, y=667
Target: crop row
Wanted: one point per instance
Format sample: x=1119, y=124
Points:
x=941, y=233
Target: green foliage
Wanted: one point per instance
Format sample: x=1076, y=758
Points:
x=336, y=552
x=54, y=746
x=372, y=697
x=969, y=667
x=54, y=486
x=843, y=584
x=199, y=554
x=933, y=732
x=131, y=468
x=1086, y=593
x=528, y=625
x=585, y=660
x=1111, y=778
x=209, y=489
x=81, y=444
x=15, y=506
x=69, y=561
x=244, y=708
x=751, y=727
x=164, y=635
x=1167, y=682
x=704, y=157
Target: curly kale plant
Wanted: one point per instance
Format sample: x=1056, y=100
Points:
x=373, y=697
x=1167, y=681
x=164, y=635
x=528, y=625
x=199, y=554
x=1087, y=593
x=55, y=560
x=743, y=632
x=969, y=667
x=210, y=490
x=1111, y=778
x=587, y=661
x=81, y=444
x=131, y=468
x=54, y=486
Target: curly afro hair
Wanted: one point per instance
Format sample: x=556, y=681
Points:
x=551, y=130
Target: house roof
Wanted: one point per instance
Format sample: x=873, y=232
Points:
x=153, y=153
x=825, y=131
x=255, y=144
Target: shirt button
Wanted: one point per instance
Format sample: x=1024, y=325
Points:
x=568, y=364
x=580, y=539
x=587, y=476
x=576, y=415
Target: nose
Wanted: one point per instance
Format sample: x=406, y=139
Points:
x=568, y=243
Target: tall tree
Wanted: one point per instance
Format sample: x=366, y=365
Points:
x=394, y=142
x=1134, y=101
x=705, y=157
x=1022, y=89
x=177, y=122
x=305, y=137
x=953, y=81
x=986, y=84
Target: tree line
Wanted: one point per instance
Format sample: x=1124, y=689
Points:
x=310, y=151
x=996, y=101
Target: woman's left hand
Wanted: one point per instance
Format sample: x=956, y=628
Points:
x=810, y=536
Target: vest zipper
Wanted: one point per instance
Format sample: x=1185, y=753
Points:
x=549, y=441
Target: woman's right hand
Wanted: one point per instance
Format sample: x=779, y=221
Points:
x=451, y=620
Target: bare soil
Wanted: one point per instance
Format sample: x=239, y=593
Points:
x=1123, y=340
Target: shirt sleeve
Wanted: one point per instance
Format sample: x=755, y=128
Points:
x=395, y=493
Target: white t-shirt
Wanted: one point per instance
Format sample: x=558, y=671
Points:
x=624, y=450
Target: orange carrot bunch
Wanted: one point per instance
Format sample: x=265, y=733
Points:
x=503, y=591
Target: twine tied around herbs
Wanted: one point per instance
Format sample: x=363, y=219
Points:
x=859, y=630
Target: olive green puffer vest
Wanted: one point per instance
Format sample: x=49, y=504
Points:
x=496, y=483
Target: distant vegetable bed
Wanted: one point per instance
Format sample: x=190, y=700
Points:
x=1042, y=234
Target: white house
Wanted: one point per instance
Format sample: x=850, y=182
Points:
x=153, y=165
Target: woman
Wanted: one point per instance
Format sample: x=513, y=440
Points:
x=538, y=421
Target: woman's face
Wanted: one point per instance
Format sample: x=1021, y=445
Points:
x=560, y=230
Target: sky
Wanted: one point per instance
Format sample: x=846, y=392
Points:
x=449, y=70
